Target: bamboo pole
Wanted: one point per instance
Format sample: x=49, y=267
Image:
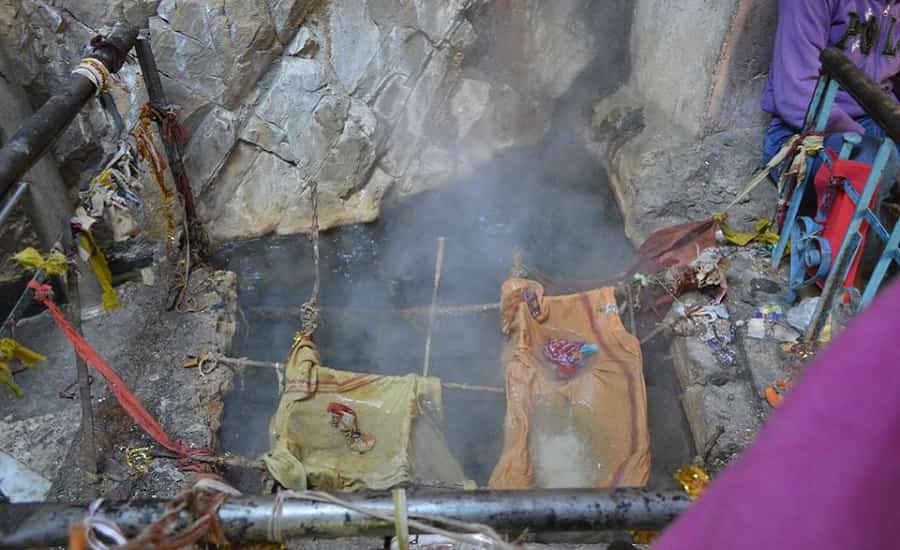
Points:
x=213, y=358
x=432, y=312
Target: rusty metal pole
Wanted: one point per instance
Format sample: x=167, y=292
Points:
x=877, y=103
x=45, y=196
x=38, y=133
x=157, y=96
x=48, y=204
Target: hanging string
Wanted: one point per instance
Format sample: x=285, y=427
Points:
x=149, y=153
x=309, y=311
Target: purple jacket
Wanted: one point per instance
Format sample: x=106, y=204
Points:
x=867, y=30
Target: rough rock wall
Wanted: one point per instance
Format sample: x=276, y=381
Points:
x=365, y=97
x=683, y=137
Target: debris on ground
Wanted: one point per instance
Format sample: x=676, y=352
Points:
x=800, y=316
x=724, y=374
x=144, y=343
x=775, y=394
x=693, y=479
x=706, y=271
x=768, y=322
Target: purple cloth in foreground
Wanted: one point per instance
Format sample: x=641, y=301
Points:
x=824, y=473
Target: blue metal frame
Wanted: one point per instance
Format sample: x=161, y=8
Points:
x=853, y=238
x=817, y=120
x=851, y=244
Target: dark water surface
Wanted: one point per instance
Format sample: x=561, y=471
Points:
x=563, y=218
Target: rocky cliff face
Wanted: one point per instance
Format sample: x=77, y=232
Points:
x=364, y=97
x=682, y=138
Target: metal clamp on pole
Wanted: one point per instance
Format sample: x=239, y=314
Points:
x=38, y=133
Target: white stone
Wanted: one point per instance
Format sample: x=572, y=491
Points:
x=265, y=186
x=19, y=482
x=468, y=104
x=304, y=44
x=354, y=41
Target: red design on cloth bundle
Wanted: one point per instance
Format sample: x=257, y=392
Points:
x=344, y=419
x=567, y=355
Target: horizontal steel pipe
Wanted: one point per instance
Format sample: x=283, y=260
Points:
x=883, y=108
x=38, y=133
x=248, y=519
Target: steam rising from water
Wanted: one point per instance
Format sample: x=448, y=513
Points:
x=552, y=200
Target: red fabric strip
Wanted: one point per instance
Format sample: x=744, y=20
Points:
x=123, y=395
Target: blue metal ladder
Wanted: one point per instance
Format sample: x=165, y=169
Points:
x=817, y=120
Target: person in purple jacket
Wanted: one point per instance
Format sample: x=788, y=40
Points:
x=868, y=31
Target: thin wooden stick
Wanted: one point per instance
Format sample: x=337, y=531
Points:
x=416, y=311
x=88, y=441
x=631, y=300
x=432, y=313
x=452, y=310
x=244, y=362
x=469, y=387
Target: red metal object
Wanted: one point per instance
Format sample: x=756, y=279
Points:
x=838, y=208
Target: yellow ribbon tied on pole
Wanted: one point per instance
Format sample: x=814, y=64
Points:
x=11, y=350
x=53, y=264
x=98, y=263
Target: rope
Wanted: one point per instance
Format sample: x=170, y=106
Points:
x=808, y=143
x=150, y=154
x=185, y=297
x=171, y=130
x=173, y=133
x=95, y=524
x=129, y=402
x=202, y=501
x=309, y=311
x=95, y=71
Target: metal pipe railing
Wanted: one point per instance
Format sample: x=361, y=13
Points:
x=877, y=103
x=21, y=305
x=8, y=205
x=38, y=133
x=251, y=519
